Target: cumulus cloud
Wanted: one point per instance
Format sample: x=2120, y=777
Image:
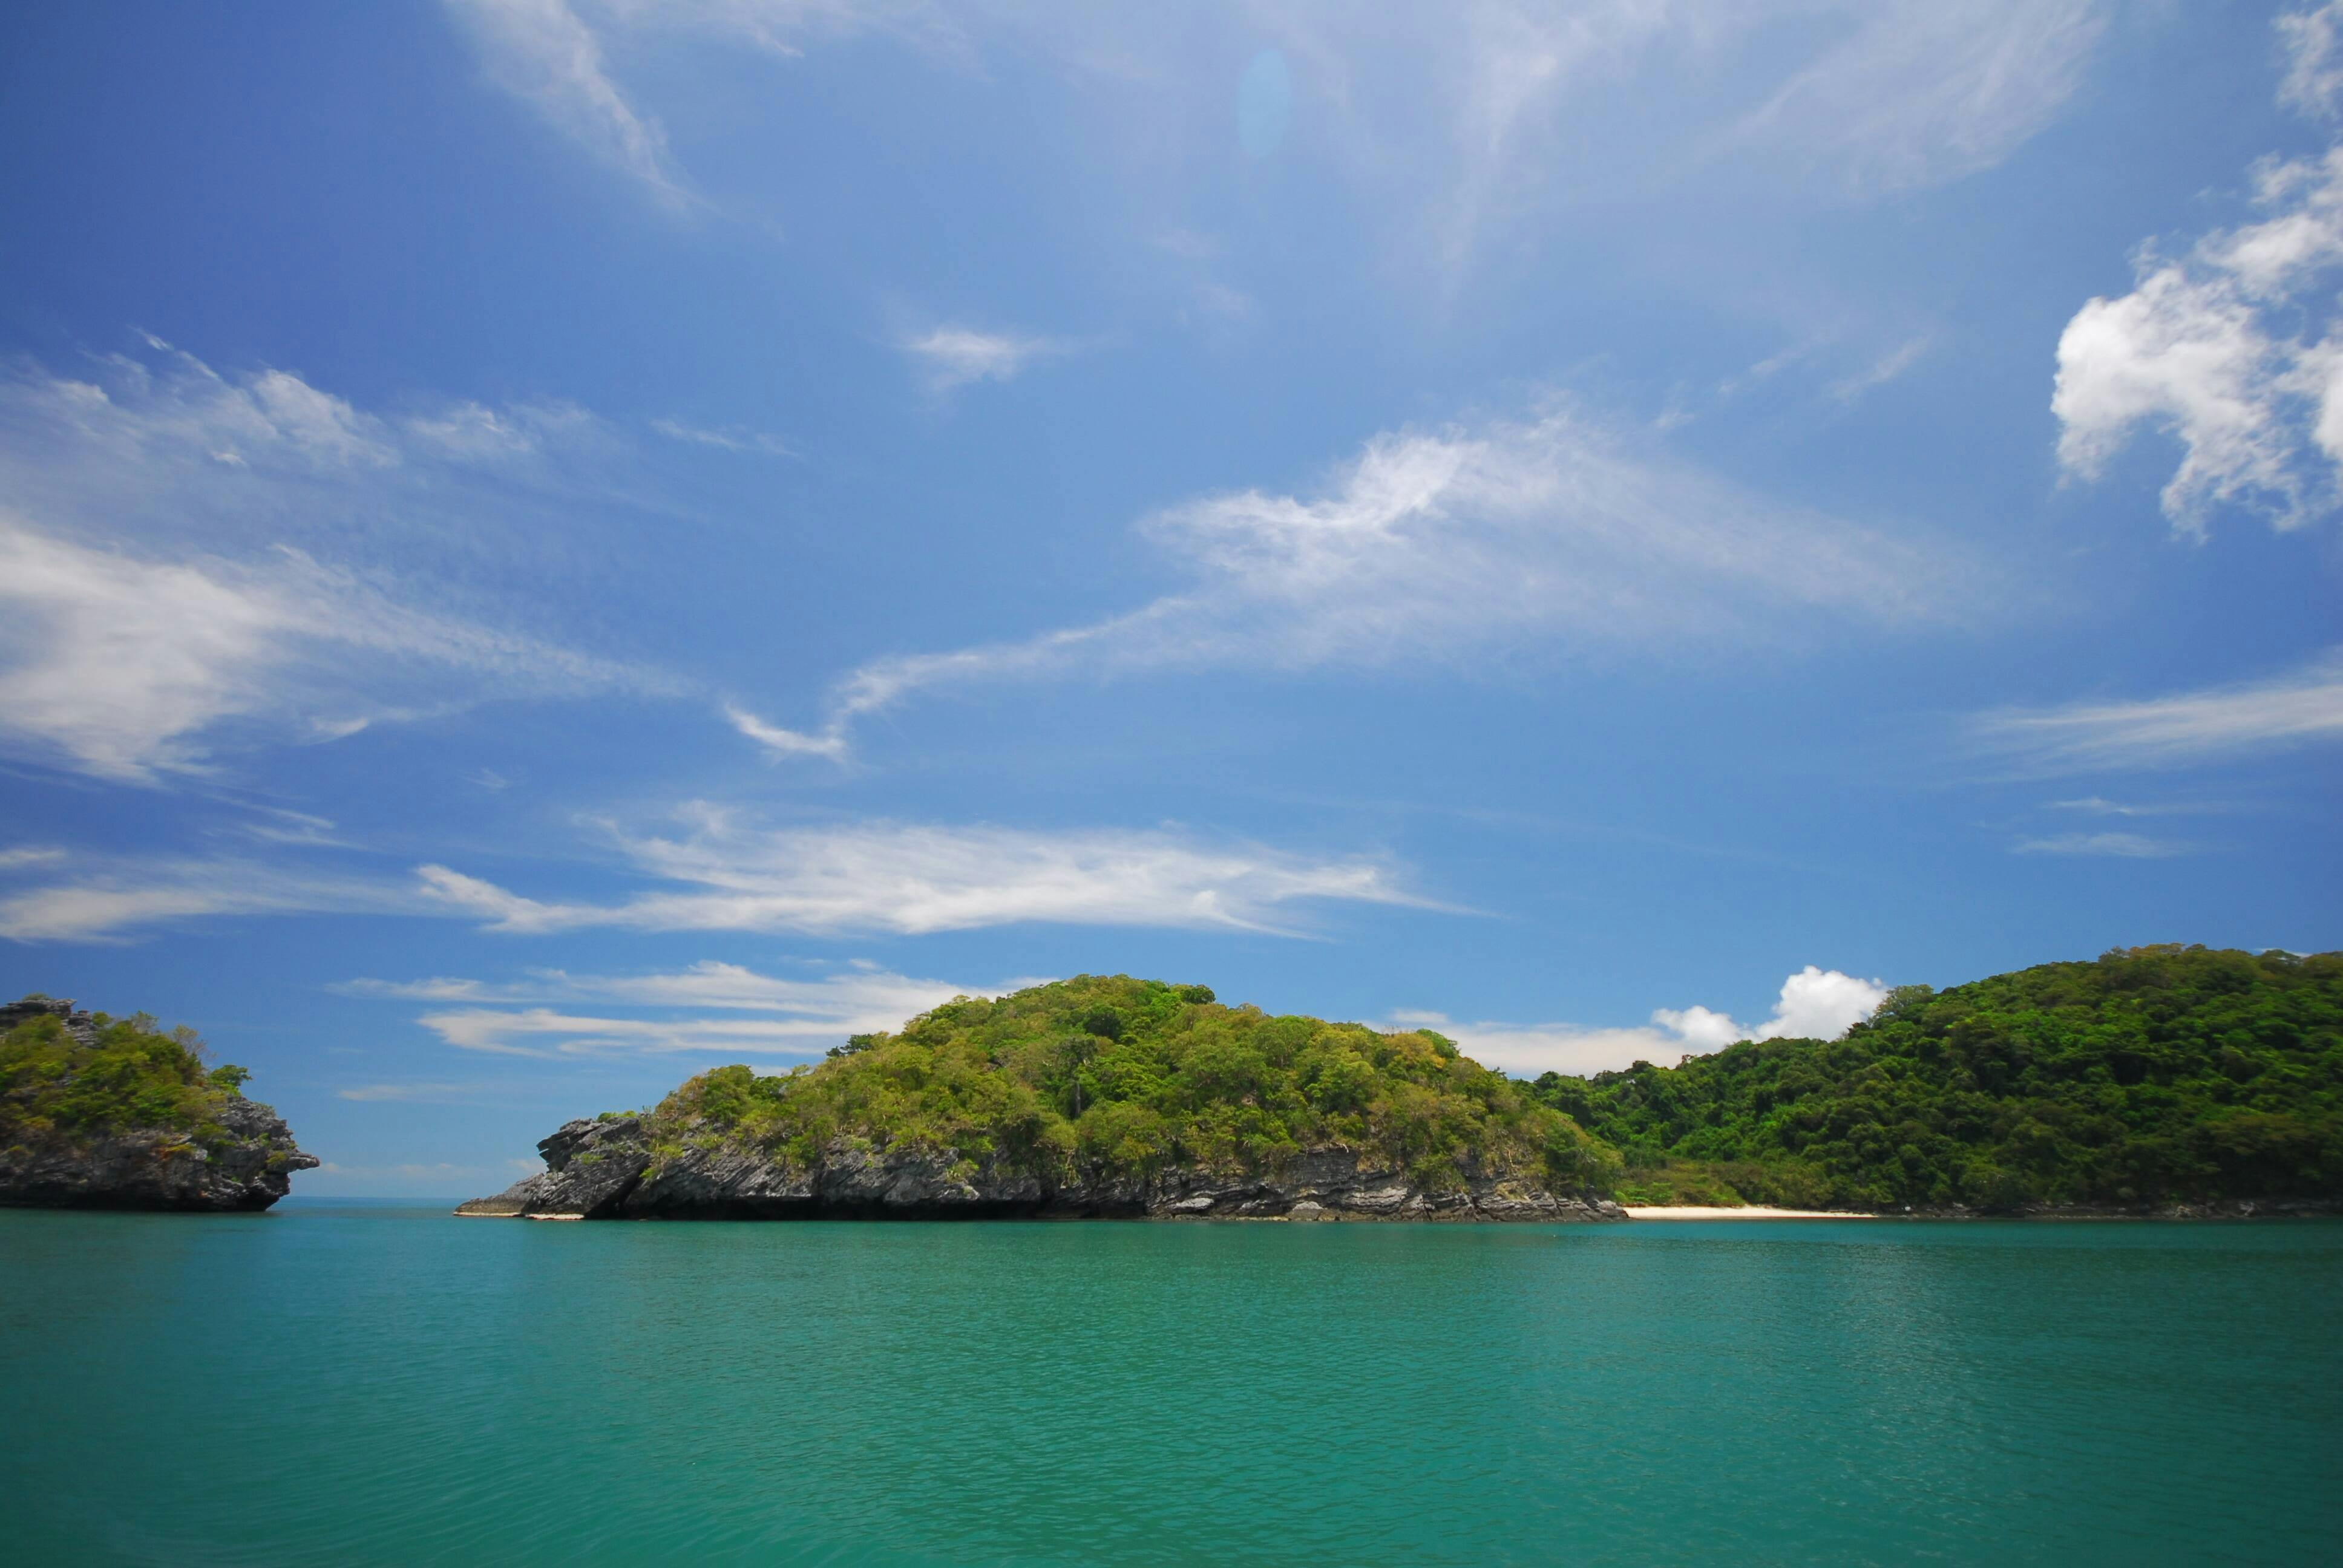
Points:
x=709, y=1007
x=2182, y=730
x=1815, y=1004
x=2208, y=348
x=725, y=875
x=953, y=356
x=1443, y=546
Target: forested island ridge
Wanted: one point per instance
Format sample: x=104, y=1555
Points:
x=2163, y=1079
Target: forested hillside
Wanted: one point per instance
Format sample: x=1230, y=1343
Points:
x=1104, y=1079
x=2152, y=1075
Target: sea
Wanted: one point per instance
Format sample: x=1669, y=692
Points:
x=341, y=1383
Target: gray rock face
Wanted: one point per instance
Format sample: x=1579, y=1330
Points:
x=147, y=1168
x=606, y=1170
x=79, y=1026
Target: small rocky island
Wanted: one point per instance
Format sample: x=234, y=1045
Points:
x=97, y=1112
x=1094, y=1097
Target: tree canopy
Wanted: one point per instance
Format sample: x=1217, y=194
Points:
x=2151, y=1075
x=1112, y=1077
x=130, y=1076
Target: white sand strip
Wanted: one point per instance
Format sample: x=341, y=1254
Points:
x=1754, y=1211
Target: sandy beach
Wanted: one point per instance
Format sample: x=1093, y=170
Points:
x=1753, y=1212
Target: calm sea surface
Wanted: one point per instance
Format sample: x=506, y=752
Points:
x=339, y=1385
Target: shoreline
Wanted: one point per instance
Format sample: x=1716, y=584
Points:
x=1747, y=1211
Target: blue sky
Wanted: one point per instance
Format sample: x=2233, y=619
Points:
x=544, y=547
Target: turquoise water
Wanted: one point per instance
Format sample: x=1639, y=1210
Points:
x=358, y=1385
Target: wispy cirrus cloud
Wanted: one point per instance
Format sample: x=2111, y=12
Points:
x=709, y=1007
x=1442, y=547
x=1815, y=1004
x=110, y=899
x=2182, y=730
x=155, y=604
x=1449, y=126
x=723, y=874
x=730, y=438
x=544, y=53
x=2115, y=846
x=2208, y=347
x=126, y=668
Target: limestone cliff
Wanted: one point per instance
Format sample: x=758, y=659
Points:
x=609, y=1170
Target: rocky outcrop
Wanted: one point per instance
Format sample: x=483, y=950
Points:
x=148, y=1168
x=79, y=1027
x=607, y=1171
x=242, y=1157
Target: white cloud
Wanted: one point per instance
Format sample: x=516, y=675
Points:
x=1920, y=92
x=780, y=742
x=2314, y=47
x=2179, y=730
x=731, y=438
x=119, y=666
x=1887, y=368
x=1449, y=124
x=542, y=53
x=2099, y=806
x=1815, y=1004
x=107, y=900
x=2207, y=348
x=2121, y=846
x=1443, y=546
x=152, y=609
x=721, y=875
x=953, y=356
x=709, y=1007
x=913, y=878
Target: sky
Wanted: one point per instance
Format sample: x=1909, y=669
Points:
x=549, y=545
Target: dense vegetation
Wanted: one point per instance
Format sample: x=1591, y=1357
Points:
x=1107, y=1076
x=2152, y=1075
x=131, y=1076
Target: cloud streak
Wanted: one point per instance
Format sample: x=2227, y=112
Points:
x=1441, y=546
x=151, y=610
x=544, y=54
x=951, y=358
x=107, y=901
x=910, y=879
x=2184, y=730
x=709, y=1007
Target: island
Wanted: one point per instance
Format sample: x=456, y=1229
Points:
x=2151, y=1081
x=1099, y=1096
x=2169, y=1080
x=97, y=1112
